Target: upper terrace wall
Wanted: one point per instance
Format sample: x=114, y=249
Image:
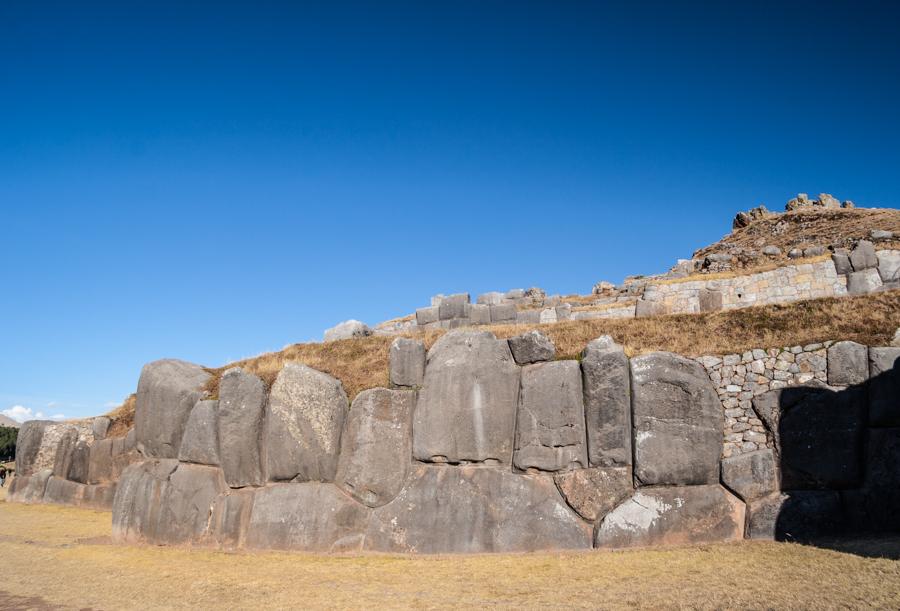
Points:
x=491, y=445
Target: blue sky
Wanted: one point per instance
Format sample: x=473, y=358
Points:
x=209, y=181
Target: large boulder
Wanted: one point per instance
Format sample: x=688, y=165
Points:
x=476, y=510
x=231, y=516
x=889, y=265
x=678, y=421
x=407, y=358
x=466, y=411
x=550, y=424
x=164, y=501
x=818, y=434
x=200, y=442
x=884, y=387
x=167, y=392
x=531, y=347
x=80, y=463
x=863, y=256
x=28, y=445
x=795, y=516
x=310, y=516
x=349, y=329
x=848, y=364
x=65, y=449
x=685, y=515
x=242, y=399
x=595, y=492
x=304, y=418
x=751, y=475
x=61, y=491
x=607, y=402
x=863, y=282
x=30, y=488
x=99, y=427
x=376, y=445
x=103, y=465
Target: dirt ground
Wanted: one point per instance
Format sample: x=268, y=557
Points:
x=62, y=558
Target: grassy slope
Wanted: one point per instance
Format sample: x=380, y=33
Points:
x=62, y=556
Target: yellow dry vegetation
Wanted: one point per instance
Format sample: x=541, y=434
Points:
x=756, y=269
x=363, y=363
x=61, y=557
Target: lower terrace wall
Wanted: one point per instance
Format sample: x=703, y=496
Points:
x=487, y=445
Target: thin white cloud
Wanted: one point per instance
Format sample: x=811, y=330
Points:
x=20, y=413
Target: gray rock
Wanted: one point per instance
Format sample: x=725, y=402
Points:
x=130, y=441
x=884, y=387
x=454, y=306
x=407, y=357
x=814, y=251
x=376, y=445
x=528, y=317
x=502, y=313
x=515, y=294
x=99, y=427
x=771, y=251
x=164, y=501
x=99, y=497
x=750, y=475
x=242, y=399
x=686, y=515
x=875, y=506
x=895, y=342
x=304, y=418
x=888, y=265
x=848, y=364
x=644, y=308
x=231, y=517
x=476, y=510
x=826, y=200
x=312, y=517
x=606, y=379
x=710, y=300
x=102, y=467
x=349, y=329
x=167, y=392
x=841, y=262
x=425, y=316
x=491, y=298
x=595, y=492
x=65, y=448
x=480, y=314
x=60, y=491
x=28, y=445
x=467, y=408
x=795, y=516
x=563, y=312
x=678, y=421
x=795, y=253
x=863, y=282
x=863, y=256
x=79, y=465
x=881, y=234
x=29, y=489
x=200, y=442
x=532, y=347
x=550, y=425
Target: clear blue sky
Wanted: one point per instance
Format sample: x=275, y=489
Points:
x=209, y=181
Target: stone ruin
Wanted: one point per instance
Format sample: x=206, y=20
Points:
x=489, y=445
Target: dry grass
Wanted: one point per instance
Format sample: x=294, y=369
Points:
x=363, y=363
x=744, y=271
x=122, y=417
x=62, y=556
x=804, y=228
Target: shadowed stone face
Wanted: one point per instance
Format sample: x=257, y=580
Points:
x=304, y=418
x=242, y=397
x=467, y=408
x=607, y=403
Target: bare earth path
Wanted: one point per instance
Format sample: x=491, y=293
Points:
x=58, y=557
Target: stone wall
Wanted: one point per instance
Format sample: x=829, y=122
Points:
x=487, y=445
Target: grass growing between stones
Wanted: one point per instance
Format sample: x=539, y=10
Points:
x=59, y=556
x=363, y=363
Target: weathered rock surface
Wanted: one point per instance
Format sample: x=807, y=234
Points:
x=502, y=313
x=79, y=464
x=606, y=379
x=376, y=445
x=30, y=488
x=304, y=418
x=875, y=507
x=817, y=433
x=848, y=364
x=863, y=256
x=795, y=516
x=842, y=263
x=531, y=347
x=467, y=408
x=550, y=427
x=349, y=329
x=863, y=282
x=103, y=467
x=242, y=398
x=231, y=516
x=475, y=510
x=673, y=516
x=164, y=501
x=407, y=358
x=64, y=450
x=309, y=516
x=884, y=387
x=28, y=445
x=99, y=427
x=751, y=475
x=200, y=442
x=678, y=421
x=595, y=492
x=167, y=392
x=888, y=265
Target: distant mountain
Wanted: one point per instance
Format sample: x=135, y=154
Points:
x=7, y=421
